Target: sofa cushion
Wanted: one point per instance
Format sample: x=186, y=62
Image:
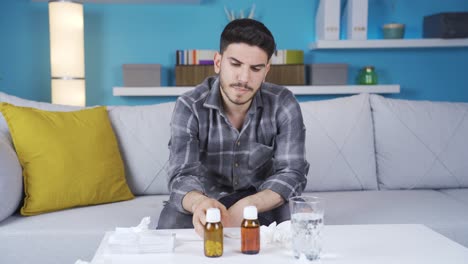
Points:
x=143, y=133
x=11, y=182
x=68, y=235
x=431, y=208
x=68, y=158
x=340, y=144
x=420, y=144
x=460, y=195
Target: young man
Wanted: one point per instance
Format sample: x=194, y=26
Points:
x=236, y=140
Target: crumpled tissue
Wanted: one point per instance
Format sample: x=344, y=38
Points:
x=274, y=234
x=140, y=239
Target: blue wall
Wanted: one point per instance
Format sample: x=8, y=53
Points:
x=116, y=34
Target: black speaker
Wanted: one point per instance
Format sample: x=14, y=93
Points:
x=446, y=25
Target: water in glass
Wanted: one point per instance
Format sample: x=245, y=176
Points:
x=306, y=234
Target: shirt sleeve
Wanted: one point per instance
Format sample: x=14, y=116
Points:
x=291, y=168
x=184, y=162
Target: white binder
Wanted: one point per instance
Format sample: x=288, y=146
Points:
x=327, y=21
x=356, y=19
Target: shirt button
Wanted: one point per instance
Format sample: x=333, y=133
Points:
x=238, y=143
x=237, y=164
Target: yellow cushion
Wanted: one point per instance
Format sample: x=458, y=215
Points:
x=69, y=159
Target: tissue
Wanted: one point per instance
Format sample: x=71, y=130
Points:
x=140, y=239
x=274, y=234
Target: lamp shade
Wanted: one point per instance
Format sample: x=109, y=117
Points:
x=67, y=53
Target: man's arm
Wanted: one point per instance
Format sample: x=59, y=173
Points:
x=265, y=200
x=289, y=178
x=185, y=168
x=184, y=164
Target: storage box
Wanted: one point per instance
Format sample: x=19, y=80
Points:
x=141, y=75
x=446, y=25
x=328, y=74
x=285, y=74
x=191, y=75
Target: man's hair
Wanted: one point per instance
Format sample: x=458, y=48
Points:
x=248, y=31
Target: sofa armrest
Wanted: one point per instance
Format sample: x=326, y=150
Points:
x=11, y=180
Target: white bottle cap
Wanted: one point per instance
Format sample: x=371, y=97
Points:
x=250, y=213
x=213, y=215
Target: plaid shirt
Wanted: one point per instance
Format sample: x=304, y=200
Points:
x=209, y=155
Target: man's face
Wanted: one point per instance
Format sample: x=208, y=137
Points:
x=242, y=69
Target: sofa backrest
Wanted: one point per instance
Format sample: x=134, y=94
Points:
x=420, y=144
x=340, y=144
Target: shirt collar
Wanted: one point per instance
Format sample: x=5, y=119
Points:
x=214, y=99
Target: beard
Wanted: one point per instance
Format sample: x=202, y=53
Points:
x=236, y=99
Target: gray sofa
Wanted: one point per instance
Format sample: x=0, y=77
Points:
x=374, y=160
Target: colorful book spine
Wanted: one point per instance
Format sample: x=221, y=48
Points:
x=287, y=57
x=195, y=57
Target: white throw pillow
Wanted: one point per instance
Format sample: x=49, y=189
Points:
x=143, y=133
x=420, y=144
x=340, y=144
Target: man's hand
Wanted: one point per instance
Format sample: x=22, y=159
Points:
x=265, y=200
x=236, y=212
x=197, y=203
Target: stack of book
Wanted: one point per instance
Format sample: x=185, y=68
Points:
x=288, y=57
x=195, y=57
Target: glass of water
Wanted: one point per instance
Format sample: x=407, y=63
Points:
x=306, y=226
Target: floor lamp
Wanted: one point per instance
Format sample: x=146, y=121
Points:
x=67, y=53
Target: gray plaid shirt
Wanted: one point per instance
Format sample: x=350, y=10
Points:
x=209, y=155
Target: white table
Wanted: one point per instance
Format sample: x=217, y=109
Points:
x=347, y=244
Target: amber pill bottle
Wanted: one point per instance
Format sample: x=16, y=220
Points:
x=250, y=231
x=213, y=237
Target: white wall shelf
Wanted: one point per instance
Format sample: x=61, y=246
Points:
x=297, y=90
x=388, y=43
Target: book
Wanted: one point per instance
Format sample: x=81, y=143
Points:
x=327, y=21
x=294, y=57
x=195, y=57
x=287, y=57
x=277, y=57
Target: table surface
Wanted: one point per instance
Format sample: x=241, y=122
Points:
x=383, y=244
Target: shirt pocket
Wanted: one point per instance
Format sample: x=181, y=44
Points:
x=260, y=155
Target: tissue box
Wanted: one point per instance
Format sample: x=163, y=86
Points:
x=141, y=75
x=328, y=74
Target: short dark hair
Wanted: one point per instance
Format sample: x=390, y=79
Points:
x=248, y=31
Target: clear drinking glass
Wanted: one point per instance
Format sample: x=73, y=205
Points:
x=306, y=226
